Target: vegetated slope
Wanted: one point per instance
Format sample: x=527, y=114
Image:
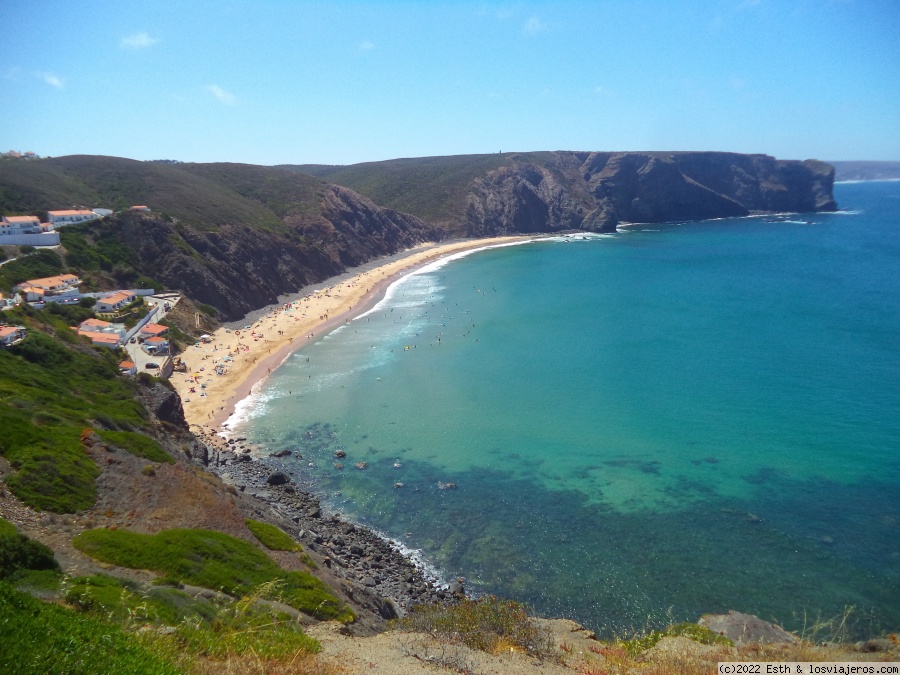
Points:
x=231, y=236
x=866, y=170
x=479, y=195
x=49, y=420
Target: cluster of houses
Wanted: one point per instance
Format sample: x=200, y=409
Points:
x=18, y=230
x=113, y=335
x=15, y=154
x=64, y=287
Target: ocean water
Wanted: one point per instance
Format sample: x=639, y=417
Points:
x=640, y=427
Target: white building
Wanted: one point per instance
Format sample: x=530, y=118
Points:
x=102, y=213
x=70, y=217
x=14, y=225
x=115, y=301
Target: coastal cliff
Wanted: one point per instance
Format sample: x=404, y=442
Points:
x=234, y=237
x=482, y=195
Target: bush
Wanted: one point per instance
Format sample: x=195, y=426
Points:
x=137, y=444
x=213, y=560
x=692, y=631
x=18, y=552
x=25, y=250
x=271, y=537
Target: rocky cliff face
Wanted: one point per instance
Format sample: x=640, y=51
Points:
x=238, y=268
x=596, y=191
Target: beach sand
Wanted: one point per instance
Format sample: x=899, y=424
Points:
x=256, y=352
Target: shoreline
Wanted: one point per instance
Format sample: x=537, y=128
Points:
x=280, y=329
x=369, y=559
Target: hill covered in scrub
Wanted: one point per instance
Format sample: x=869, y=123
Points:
x=234, y=237
x=479, y=195
x=231, y=236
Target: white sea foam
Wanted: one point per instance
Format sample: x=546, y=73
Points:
x=432, y=267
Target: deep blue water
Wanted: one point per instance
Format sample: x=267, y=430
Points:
x=672, y=420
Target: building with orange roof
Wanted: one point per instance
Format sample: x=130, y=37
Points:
x=52, y=285
x=127, y=368
x=140, y=207
x=153, y=330
x=70, y=216
x=105, y=339
x=115, y=301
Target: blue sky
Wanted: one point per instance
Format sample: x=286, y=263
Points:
x=269, y=82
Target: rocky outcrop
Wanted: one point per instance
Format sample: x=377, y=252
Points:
x=238, y=268
x=596, y=191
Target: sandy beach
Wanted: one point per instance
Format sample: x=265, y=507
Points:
x=223, y=371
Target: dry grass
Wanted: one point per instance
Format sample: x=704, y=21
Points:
x=300, y=664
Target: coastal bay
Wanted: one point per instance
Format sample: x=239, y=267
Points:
x=666, y=423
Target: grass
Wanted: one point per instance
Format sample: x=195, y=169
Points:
x=639, y=644
x=275, y=540
x=43, y=638
x=272, y=537
x=488, y=624
x=137, y=444
x=213, y=560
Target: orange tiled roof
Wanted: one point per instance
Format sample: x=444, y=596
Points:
x=96, y=323
x=8, y=330
x=126, y=365
x=100, y=337
x=71, y=212
x=21, y=219
x=117, y=297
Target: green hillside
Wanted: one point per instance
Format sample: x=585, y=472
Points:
x=432, y=188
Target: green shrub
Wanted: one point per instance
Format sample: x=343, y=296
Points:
x=272, y=537
x=18, y=552
x=213, y=560
x=137, y=444
x=692, y=631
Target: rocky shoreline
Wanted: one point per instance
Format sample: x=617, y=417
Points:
x=349, y=550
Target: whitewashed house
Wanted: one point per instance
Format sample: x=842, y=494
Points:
x=70, y=217
x=115, y=301
x=13, y=225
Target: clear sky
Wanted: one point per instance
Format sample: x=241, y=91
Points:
x=273, y=82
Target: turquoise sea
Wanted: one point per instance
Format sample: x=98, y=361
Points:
x=645, y=426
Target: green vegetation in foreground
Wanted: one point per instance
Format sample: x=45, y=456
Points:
x=43, y=415
x=213, y=560
x=43, y=263
x=489, y=624
x=637, y=645
x=43, y=638
x=213, y=628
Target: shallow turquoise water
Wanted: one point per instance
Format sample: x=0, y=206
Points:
x=676, y=419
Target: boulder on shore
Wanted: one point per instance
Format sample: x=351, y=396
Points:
x=746, y=628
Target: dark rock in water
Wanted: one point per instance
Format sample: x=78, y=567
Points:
x=281, y=453
x=340, y=454
x=746, y=628
x=277, y=478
